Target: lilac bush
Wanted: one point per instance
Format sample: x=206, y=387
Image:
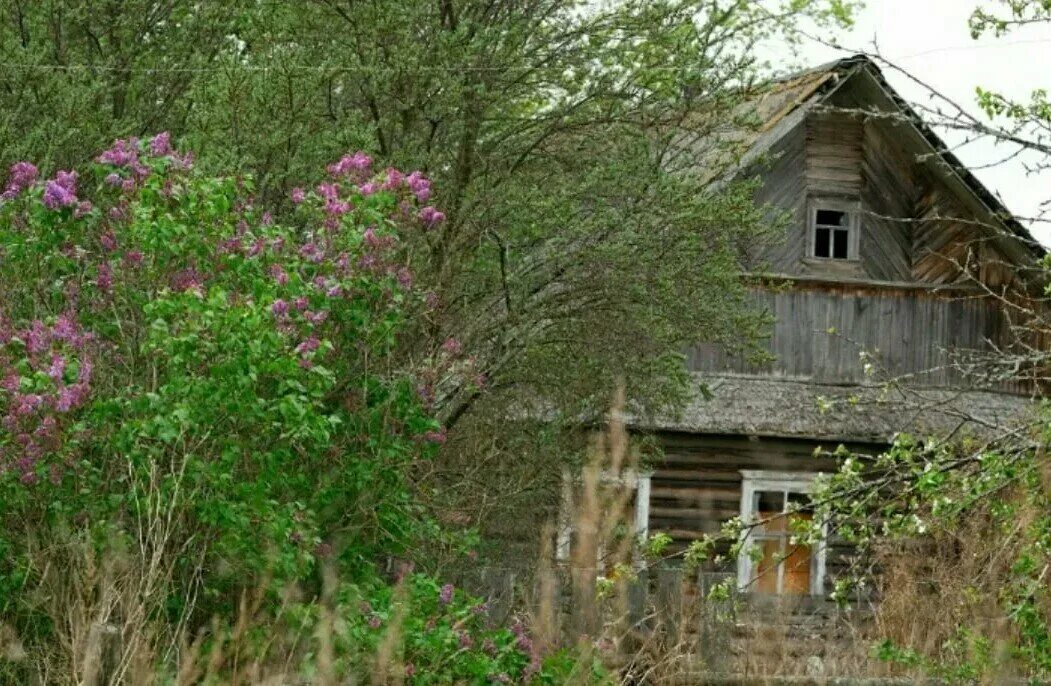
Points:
x=167, y=342
x=166, y=334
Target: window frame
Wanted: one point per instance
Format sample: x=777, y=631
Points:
x=637, y=481
x=754, y=481
x=847, y=206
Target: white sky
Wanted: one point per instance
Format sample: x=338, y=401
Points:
x=931, y=39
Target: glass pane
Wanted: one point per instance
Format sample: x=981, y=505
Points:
x=767, y=504
x=839, y=244
x=800, y=502
x=764, y=572
x=797, y=570
x=831, y=218
x=822, y=240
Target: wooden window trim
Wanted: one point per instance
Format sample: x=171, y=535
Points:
x=639, y=481
x=754, y=481
x=851, y=209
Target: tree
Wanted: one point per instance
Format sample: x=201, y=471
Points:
x=573, y=147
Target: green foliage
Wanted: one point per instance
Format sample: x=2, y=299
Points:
x=927, y=491
x=234, y=385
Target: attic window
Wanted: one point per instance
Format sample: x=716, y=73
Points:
x=833, y=230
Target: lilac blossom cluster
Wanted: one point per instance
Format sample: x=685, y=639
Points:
x=21, y=176
x=34, y=411
x=130, y=158
x=309, y=277
x=526, y=645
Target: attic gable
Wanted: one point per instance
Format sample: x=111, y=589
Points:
x=840, y=132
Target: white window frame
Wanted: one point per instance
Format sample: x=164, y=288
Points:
x=851, y=209
x=787, y=482
x=637, y=480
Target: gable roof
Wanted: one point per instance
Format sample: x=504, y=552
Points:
x=784, y=103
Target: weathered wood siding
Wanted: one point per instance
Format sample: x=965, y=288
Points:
x=784, y=190
x=834, y=151
x=696, y=487
x=820, y=330
x=912, y=227
x=889, y=191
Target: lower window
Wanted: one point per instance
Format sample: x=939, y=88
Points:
x=770, y=562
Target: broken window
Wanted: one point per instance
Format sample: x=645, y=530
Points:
x=832, y=231
x=774, y=560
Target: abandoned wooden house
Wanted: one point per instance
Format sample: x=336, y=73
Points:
x=893, y=266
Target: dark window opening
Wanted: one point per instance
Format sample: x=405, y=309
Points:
x=839, y=245
x=831, y=218
x=821, y=242
x=832, y=234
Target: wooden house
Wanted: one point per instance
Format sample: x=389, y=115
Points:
x=897, y=263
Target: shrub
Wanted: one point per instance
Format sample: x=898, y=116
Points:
x=172, y=358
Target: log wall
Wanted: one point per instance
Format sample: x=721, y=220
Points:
x=696, y=486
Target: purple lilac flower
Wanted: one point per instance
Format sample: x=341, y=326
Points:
x=308, y=346
x=465, y=640
x=279, y=308
x=298, y=195
x=359, y=161
x=133, y=258
x=36, y=337
x=301, y=303
x=279, y=274
x=108, y=241
x=419, y=185
x=316, y=318
x=405, y=277
x=84, y=372
x=61, y=191
x=161, y=144
x=369, y=188
x=312, y=253
x=82, y=209
x=23, y=174
x=187, y=279
x=431, y=217
x=113, y=179
x=57, y=368
x=71, y=397
x=445, y=596
x=394, y=179
x=11, y=383
x=121, y=153
x=267, y=219
x=65, y=328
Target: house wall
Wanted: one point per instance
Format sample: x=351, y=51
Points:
x=696, y=487
x=912, y=226
x=820, y=329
